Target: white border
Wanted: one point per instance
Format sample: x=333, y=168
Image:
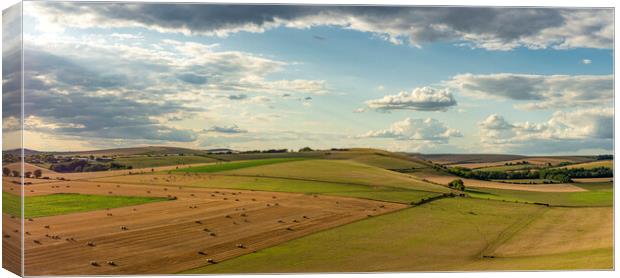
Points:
x=544, y=3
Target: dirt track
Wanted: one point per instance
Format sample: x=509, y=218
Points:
x=165, y=237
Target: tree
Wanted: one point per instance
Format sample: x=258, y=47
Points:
x=6, y=171
x=38, y=173
x=28, y=174
x=305, y=149
x=457, y=184
x=15, y=173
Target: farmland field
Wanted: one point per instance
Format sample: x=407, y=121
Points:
x=450, y=234
x=226, y=166
x=594, y=164
x=56, y=204
x=155, y=161
x=334, y=210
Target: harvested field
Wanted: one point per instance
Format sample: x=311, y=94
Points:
x=374, y=192
x=11, y=243
x=593, y=164
x=589, y=180
x=558, y=187
x=138, y=239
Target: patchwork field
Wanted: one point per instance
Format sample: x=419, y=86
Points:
x=213, y=222
x=340, y=210
x=449, y=234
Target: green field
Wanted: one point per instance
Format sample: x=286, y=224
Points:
x=57, y=204
x=598, y=194
x=449, y=234
x=387, y=162
x=226, y=166
x=339, y=171
x=138, y=162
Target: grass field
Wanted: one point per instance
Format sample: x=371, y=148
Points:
x=57, y=204
x=340, y=171
x=381, y=193
x=387, y=162
x=447, y=234
x=598, y=194
x=138, y=162
x=227, y=166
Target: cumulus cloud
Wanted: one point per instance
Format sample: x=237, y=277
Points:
x=586, y=61
x=233, y=129
x=429, y=130
x=419, y=99
x=564, y=131
x=489, y=28
x=538, y=91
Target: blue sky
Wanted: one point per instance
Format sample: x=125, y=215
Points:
x=435, y=80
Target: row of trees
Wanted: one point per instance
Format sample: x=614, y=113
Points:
x=86, y=166
x=556, y=174
x=14, y=173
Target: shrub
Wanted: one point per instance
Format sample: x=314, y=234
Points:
x=457, y=184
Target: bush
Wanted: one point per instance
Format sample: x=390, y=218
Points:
x=457, y=184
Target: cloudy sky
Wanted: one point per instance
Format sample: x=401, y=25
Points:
x=419, y=79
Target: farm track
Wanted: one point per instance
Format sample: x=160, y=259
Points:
x=509, y=232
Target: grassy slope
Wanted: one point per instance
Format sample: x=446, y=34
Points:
x=155, y=161
x=598, y=194
x=226, y=166
x=56, y=204
x=382, y=193
x=341, y=171
x=447, y=234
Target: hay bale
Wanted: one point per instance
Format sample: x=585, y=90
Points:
x=94, y=263
x=112, y=263
x=240, y=245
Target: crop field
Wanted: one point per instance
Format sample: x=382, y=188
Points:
x=156, y=161
x=594, y=164
x=593, y=194
x=334, y=209
x=226, y=166
x=208, y=221
x=450, y=234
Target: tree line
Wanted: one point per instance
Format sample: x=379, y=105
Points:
x=555, y=174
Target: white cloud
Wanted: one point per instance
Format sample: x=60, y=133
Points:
x=586, y=61
x=538, y=91
x=428, y=130
x=564, y=131
x=420, y=99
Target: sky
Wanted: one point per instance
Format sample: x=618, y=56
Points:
x=533, y=81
